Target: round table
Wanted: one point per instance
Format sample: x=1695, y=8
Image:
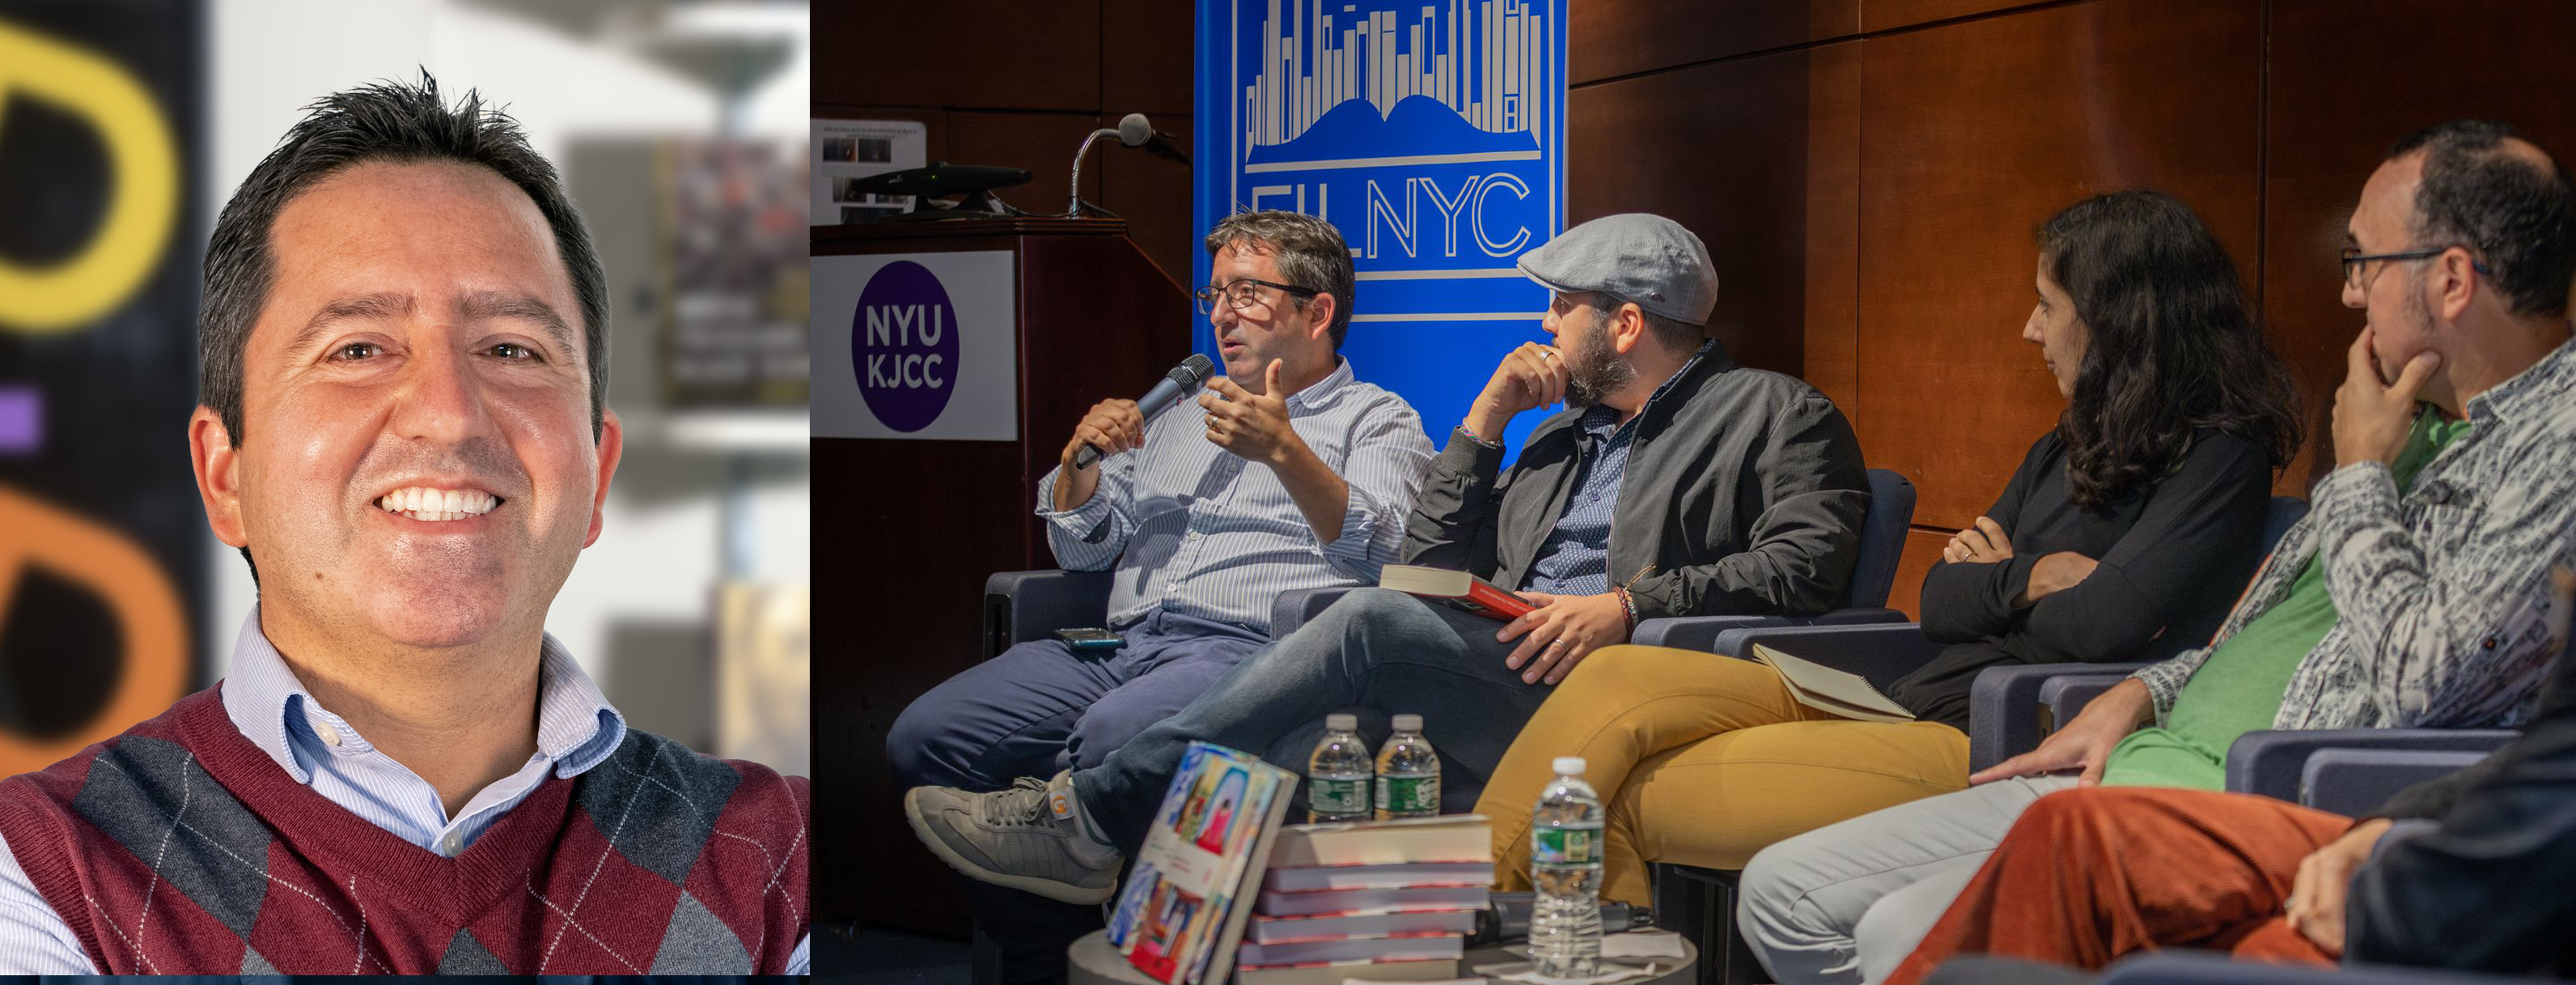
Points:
x=1091, y=961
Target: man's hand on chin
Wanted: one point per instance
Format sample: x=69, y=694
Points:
x=2371, y=418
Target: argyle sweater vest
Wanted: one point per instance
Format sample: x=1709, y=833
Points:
x=180, y=847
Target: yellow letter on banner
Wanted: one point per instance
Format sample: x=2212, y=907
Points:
x=142, y=201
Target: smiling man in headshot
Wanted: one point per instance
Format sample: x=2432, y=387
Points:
x=403, y=428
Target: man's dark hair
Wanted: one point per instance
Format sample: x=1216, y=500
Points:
x=1309, y=251
x=1677, y=335
x=2517, y=215
x=2170, y=345
x=389, y=122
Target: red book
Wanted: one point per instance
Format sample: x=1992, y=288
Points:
x=1457, y=588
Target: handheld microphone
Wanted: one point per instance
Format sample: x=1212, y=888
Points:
x=1183, y=379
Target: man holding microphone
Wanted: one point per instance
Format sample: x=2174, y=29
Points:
x=1286, y=474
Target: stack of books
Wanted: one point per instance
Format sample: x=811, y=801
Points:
x=1375, y=900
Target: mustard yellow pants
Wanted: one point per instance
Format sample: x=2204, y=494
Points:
x=1704, y=760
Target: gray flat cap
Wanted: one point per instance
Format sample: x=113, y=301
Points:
x=1647, y=259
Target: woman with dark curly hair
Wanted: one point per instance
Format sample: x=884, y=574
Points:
x=2124, y=535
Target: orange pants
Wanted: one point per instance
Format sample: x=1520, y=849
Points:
x=2091, y=874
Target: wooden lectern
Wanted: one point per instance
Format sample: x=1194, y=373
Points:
x=906, y=531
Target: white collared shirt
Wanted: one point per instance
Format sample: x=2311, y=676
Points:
x=576, y=729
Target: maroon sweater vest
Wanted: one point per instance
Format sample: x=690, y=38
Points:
x=180, y=847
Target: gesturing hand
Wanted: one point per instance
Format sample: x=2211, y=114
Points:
x=2317, y=893
x=1562, y=631
x=2371, y=420
x=1253, y=426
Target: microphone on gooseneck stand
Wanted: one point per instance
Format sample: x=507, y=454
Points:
x=1180, y=382
x=1132, y=130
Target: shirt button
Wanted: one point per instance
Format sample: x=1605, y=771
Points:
x=450, y=845
x=330, y=736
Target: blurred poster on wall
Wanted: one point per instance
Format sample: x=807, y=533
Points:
x=101, y=558
x=848, y=150
x=733, y=254
x=763, y=644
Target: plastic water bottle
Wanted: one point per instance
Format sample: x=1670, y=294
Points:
x=1408, y=773
x=1337, y=775
x=1565, y=866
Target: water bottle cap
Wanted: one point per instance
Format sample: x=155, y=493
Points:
x=1408, y=723
x=1569, y=765
x=1342, y=723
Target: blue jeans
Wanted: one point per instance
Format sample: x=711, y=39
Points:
x=1042, y=706
x=1377, y=652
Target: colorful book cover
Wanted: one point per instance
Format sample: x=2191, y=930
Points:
x=1190, y=893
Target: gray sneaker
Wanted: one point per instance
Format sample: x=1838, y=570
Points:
x=1011, y=838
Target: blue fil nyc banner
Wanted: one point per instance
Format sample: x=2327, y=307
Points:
x=1431, y=133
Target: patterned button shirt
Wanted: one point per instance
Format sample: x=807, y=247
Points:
x=1206, y=534
x=2442, y=592
x=1575, y=557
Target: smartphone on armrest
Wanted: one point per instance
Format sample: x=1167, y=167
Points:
x=1090, y=638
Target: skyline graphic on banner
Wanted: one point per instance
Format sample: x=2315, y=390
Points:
x=1430, y=133
x=1320, y=60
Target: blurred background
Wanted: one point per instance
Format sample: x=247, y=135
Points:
x=680, y=128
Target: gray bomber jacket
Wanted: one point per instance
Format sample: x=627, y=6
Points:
x=1744, y=487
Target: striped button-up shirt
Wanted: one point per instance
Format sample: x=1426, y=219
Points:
x=1199, y=532
x=1575, y=557
x=2441, y=593
x=576, y=730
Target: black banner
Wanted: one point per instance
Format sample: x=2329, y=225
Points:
x=102, y=537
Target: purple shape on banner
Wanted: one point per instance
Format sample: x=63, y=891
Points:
x=22, y=420
x=903, y=346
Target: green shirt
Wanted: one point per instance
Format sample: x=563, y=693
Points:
x=2239, y=689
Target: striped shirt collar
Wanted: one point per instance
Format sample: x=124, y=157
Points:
x=576, y=726
x=1321, y=391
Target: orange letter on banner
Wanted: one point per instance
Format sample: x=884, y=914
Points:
x=33, y=534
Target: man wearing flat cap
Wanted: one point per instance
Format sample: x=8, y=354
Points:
x=1675, y=483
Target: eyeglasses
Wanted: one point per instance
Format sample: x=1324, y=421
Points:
x=1240, y=294
x=2356, y=263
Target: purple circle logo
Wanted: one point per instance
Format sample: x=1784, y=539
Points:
x=903, y=346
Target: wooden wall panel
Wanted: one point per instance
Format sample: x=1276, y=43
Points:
x=1888, y=15
x=1832, y=246
x=1974, y=133
x=1153, y=195
x=2348, y=78
x=1922, y=551
x=1728, y=150
x=982, y=54
x=1611, y=38
x=1145, y=59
